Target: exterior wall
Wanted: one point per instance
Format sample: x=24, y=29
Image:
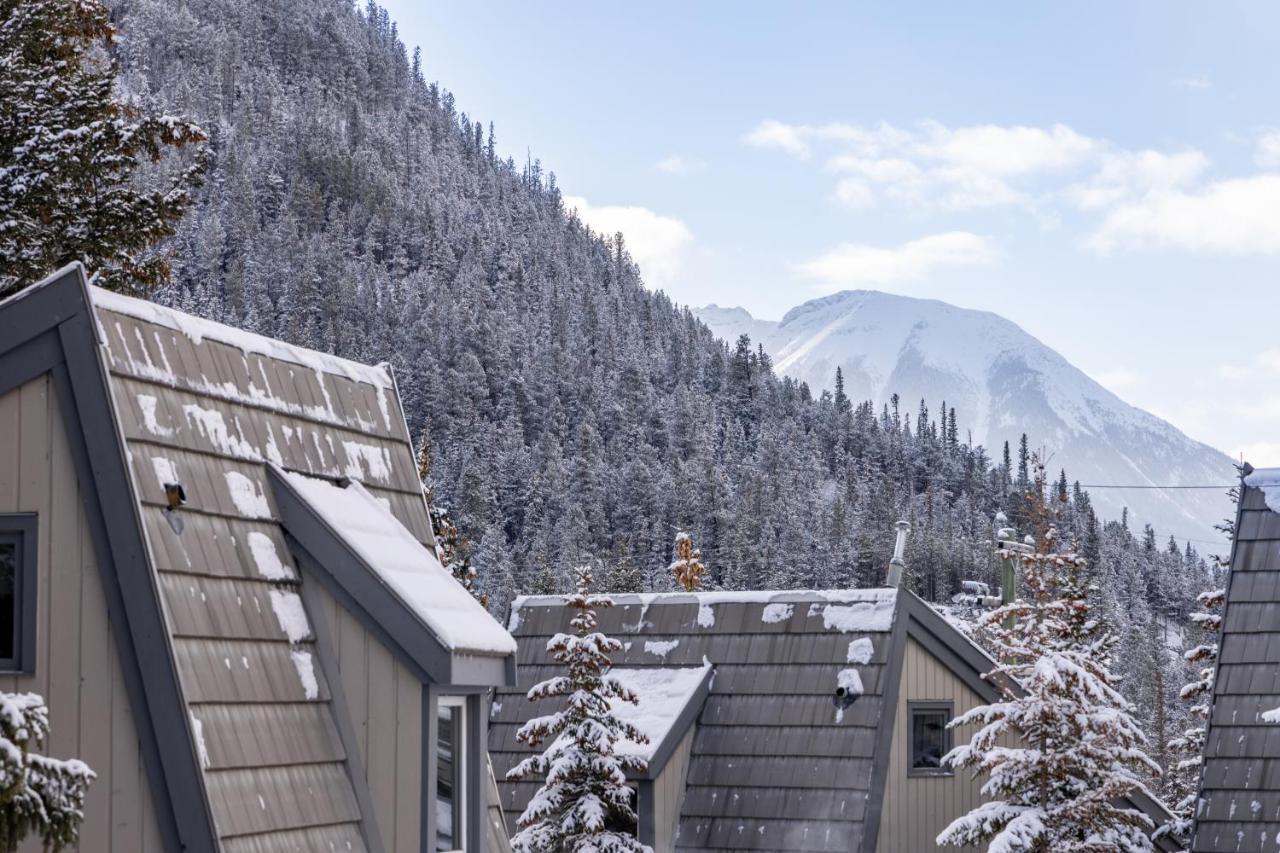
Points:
x=384, y=701
x=77, y=669
x=917, y=808
x=668, y=791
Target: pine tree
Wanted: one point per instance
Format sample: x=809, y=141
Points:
x=584, y=804
x=1076, y=742
x=70, y=153
x=687, y=566
x=39, y=795
x=453, y=549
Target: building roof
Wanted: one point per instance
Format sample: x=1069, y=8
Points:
x=775, y=764
x=1239, y=806
x=244, y=730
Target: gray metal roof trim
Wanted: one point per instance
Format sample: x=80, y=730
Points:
x=60, y=305
x=359, y=587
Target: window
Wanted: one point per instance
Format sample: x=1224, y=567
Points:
x=17, y=593
x=930, y=737
x=451, y=782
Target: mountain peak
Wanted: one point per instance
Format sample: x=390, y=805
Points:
x=1002, y=382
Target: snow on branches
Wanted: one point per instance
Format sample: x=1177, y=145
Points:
x=38, y=795
x=71, y=153
x=584, y=804
x=1061, y=748
x=687, y=566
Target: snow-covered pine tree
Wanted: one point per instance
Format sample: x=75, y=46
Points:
x=452, y=547
x=39, y=796
x=584, y=804
x=70, y=153
x=1075, y=744
x=687, y=566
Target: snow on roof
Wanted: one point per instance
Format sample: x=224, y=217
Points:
x=794, y=596
x=405, y=565
x=197, y=329
x=663, y=694
x=1268, y=480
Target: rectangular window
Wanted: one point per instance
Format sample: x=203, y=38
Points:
x=17, y=593
x=930, y=737
x=451, y=782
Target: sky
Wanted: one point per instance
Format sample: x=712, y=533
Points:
x=1105, y=175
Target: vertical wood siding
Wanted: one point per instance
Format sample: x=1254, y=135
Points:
x=668, y=791
x=917, y=808
x=77, y=670
x=385, y=704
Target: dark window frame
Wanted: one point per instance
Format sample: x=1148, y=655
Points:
x=21, y=529
x=945, y=707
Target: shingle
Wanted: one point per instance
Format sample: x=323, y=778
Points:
x=268, y=799
x=238, y=736
x=343, y=837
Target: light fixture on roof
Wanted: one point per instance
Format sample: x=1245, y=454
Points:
x=175, y=496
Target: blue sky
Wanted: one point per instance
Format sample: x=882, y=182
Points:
x=1106, y=175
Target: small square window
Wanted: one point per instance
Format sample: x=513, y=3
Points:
x=17, y=593
x=930, y=737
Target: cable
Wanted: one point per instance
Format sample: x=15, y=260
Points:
x=1107, y=486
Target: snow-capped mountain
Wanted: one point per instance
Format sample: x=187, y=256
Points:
x=1002, y=382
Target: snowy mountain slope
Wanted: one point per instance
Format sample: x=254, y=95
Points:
x=1002, y=382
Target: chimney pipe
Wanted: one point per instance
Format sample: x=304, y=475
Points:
x=898, y=565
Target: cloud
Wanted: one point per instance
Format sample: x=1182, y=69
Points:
x=1235, y=216
x=855, y=263
x=1262, y=454
x=1267, y=152
x=1127, y=175
x=775, y=134
x=1198, y=83
x=677, y=165
x=932, y=164
x=657, y=244
x=1270, y=359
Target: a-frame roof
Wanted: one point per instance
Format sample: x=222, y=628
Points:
x=241, y=719
x=1239, y=805
x=775, y=764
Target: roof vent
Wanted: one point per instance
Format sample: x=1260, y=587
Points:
x=175, y=496
x=898, y=565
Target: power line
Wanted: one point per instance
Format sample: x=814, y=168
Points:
x=1109, y=486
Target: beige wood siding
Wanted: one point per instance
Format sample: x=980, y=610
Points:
x=77, y=668
x=384, y=700
x=668, y=791
x=917, y=808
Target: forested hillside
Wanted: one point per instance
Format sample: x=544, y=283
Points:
x=573, y=415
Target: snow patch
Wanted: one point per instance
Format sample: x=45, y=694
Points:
x=306, y=673
x=1272, y=716
x=862, y=616
x=367, y=461
x=247, y=496
x=267, y=558
x=776, y=612
x=661, y=648
x=291, y=615
x=1268, y=480
x=850, y=681
x=202, y=749
x=165, y=470
x=706, y=616
x=214, y=428
x=860, y=651
x=147, y=404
